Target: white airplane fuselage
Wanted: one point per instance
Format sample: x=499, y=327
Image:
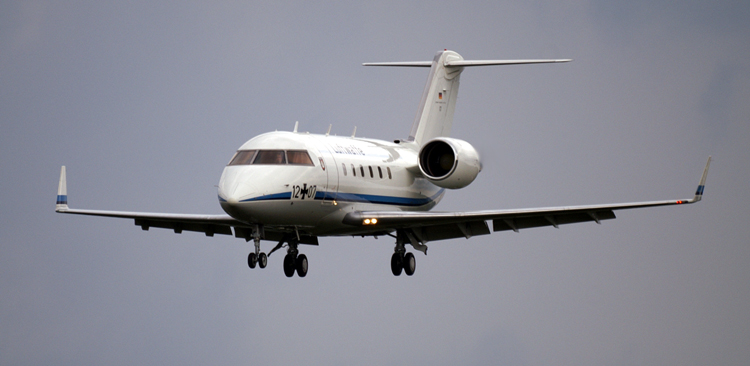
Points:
x=347, y=174
x=291, y=187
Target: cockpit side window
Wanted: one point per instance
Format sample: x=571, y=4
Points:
x=298, y=157
x=242, y=157
x=275, y=157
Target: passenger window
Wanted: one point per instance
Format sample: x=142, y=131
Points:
x=299, y=157
x=389, y=172
x=275, y=157
x=343, y=167
x=354, y=171
x=371, y=175
x=380, y=173
x=362, y=170
x=242, y=157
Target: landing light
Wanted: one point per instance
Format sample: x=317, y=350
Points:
x=370, y=221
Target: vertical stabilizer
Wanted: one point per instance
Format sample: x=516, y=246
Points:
x=435, y=114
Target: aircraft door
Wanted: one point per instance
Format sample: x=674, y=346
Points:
x=328, y=163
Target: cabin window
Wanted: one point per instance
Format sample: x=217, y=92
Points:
x=242, y=157
x=389, y=172
x=380, y=173
x=298, y=157
x=362, y=170
x=354, y=171
x=371, y=175
x=343, y=167
x=275, y=157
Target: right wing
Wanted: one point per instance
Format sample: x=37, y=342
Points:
x=208, y=224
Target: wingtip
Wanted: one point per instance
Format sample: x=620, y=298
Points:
x=702, y=184
x=62, y=192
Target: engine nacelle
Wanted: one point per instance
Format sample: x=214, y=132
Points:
x=449, y=163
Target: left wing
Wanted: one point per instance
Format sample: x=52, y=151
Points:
x=422, y=227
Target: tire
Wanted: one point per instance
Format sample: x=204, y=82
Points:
x=397, y=264
x=410, y=264
x=252, y=260
x=302, y=265
x=262, y=260
x=289, y=265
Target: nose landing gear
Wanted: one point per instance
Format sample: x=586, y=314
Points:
x=260, y=259
x=257, y=257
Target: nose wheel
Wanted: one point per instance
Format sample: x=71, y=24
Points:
x=257, y=257
x=261, y=260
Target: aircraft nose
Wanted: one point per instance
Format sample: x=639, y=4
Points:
x=234, y=187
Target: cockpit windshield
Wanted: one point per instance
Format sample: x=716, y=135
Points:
x=242, y=157
x=272, y=157
x=298, y=157
x=275, y=157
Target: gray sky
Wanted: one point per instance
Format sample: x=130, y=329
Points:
x=146, y=103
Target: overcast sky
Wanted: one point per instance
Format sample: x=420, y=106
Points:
x=145, y=103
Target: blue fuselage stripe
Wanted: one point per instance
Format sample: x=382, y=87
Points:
x=270, y=197
x=352, y=197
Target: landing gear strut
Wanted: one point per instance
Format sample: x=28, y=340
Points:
x=401, y=260
x=257, y=257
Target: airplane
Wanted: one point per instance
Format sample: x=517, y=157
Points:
x=292, y=188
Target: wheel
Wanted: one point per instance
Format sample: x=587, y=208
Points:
x=289, y=265
x=410, y=264
x=396, y=264
x=302, y=265
x=252, y=260
x=262, y=260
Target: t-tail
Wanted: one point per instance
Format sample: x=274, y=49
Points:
x=435, y=114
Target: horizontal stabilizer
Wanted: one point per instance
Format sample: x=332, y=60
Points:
x=404, y=64
x=465, y=63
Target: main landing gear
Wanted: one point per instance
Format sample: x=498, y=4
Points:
x=405, y=262
x=293, y=261
x=401, y=260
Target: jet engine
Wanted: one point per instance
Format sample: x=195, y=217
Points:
x=449, y=163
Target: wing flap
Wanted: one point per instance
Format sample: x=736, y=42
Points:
x=451, y=231
x=179, y=226
x=518, y=223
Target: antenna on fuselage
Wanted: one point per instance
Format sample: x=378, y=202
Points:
x=296, y=124
x=355, y=131
x=329, y=130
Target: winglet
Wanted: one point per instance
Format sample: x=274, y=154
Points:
x=702, y=184
x=62, y=192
